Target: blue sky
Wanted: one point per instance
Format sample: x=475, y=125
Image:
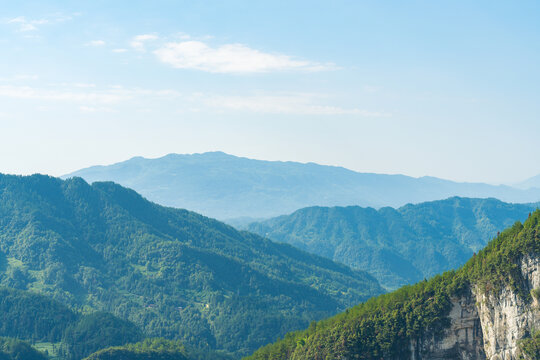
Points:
x=442, y=88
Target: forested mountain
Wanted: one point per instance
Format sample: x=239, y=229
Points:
x=488, y=309
x=397, y=246
x=69, y=335
x=150, y=349
x=225, y=186
x=174, y=273
x=13, y=349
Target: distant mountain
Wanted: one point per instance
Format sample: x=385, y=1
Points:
x=488, y=309
x=174, y=273
x=398, y=246
x=226, y=187
x=530, y=183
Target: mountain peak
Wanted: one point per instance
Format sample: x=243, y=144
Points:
x=225, y=186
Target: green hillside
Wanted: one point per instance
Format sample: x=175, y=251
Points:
x=13, y=349
x=397, y=246
x=49, y=324
x=150, y=349
x=383, y=327
x=174, y=273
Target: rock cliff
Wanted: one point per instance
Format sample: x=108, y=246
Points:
x=486, y=310
x=487, y=326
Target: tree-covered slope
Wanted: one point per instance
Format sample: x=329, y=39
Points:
x=13, y=349
x=37, y=319
x=174, y=273
x=225, y=186
x=397, y=246
x=388, y=326
x=149, y=349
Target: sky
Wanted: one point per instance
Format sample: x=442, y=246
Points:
x=441, y=88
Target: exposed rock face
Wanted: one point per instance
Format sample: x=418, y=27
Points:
x=486, y=327
x=462, y=340
x=507, y=318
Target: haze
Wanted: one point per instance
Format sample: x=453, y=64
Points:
x=449, y=91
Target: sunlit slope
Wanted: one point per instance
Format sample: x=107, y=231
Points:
x=398, y=325
x=397, y=246
x=174, y=273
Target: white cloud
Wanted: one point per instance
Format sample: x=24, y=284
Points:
x=90, y=98
x=26, y=25
x=85, y=94
x=118, y=51
x=138, y=41
x=20, y=78
x=95, y=43
x=27, y=92
x=230, y=58
x=295, y=104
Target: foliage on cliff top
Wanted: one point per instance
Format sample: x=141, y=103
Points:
x=383, y=327
x=498, y=264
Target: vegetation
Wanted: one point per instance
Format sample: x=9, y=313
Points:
x=37, y=319
x=13, y=349
x=149, y=349
x=384, y=326
x=529, y=348
x=397, y=246
x=173, y=273
x=96, y=331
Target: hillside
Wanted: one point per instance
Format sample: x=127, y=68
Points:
x=53, y=326
x=487, y=309
x=13, y=349
x=226, y=187
x=397, y=246
x=174, y=273
x=150, y=349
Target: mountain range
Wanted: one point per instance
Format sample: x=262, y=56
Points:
x=533, y=182
x=228, y=187
x=488, y=309
x=398, y=246
x=173, y=273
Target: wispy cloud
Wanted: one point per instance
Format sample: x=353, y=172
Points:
x=20, y=78
x=119, y=51
x=90, y=98
x=86, y=94
x=25, y=25
x=138, y=42
x=96, y=43
x=295, y=104
x=230, y=58
x=27, y=92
